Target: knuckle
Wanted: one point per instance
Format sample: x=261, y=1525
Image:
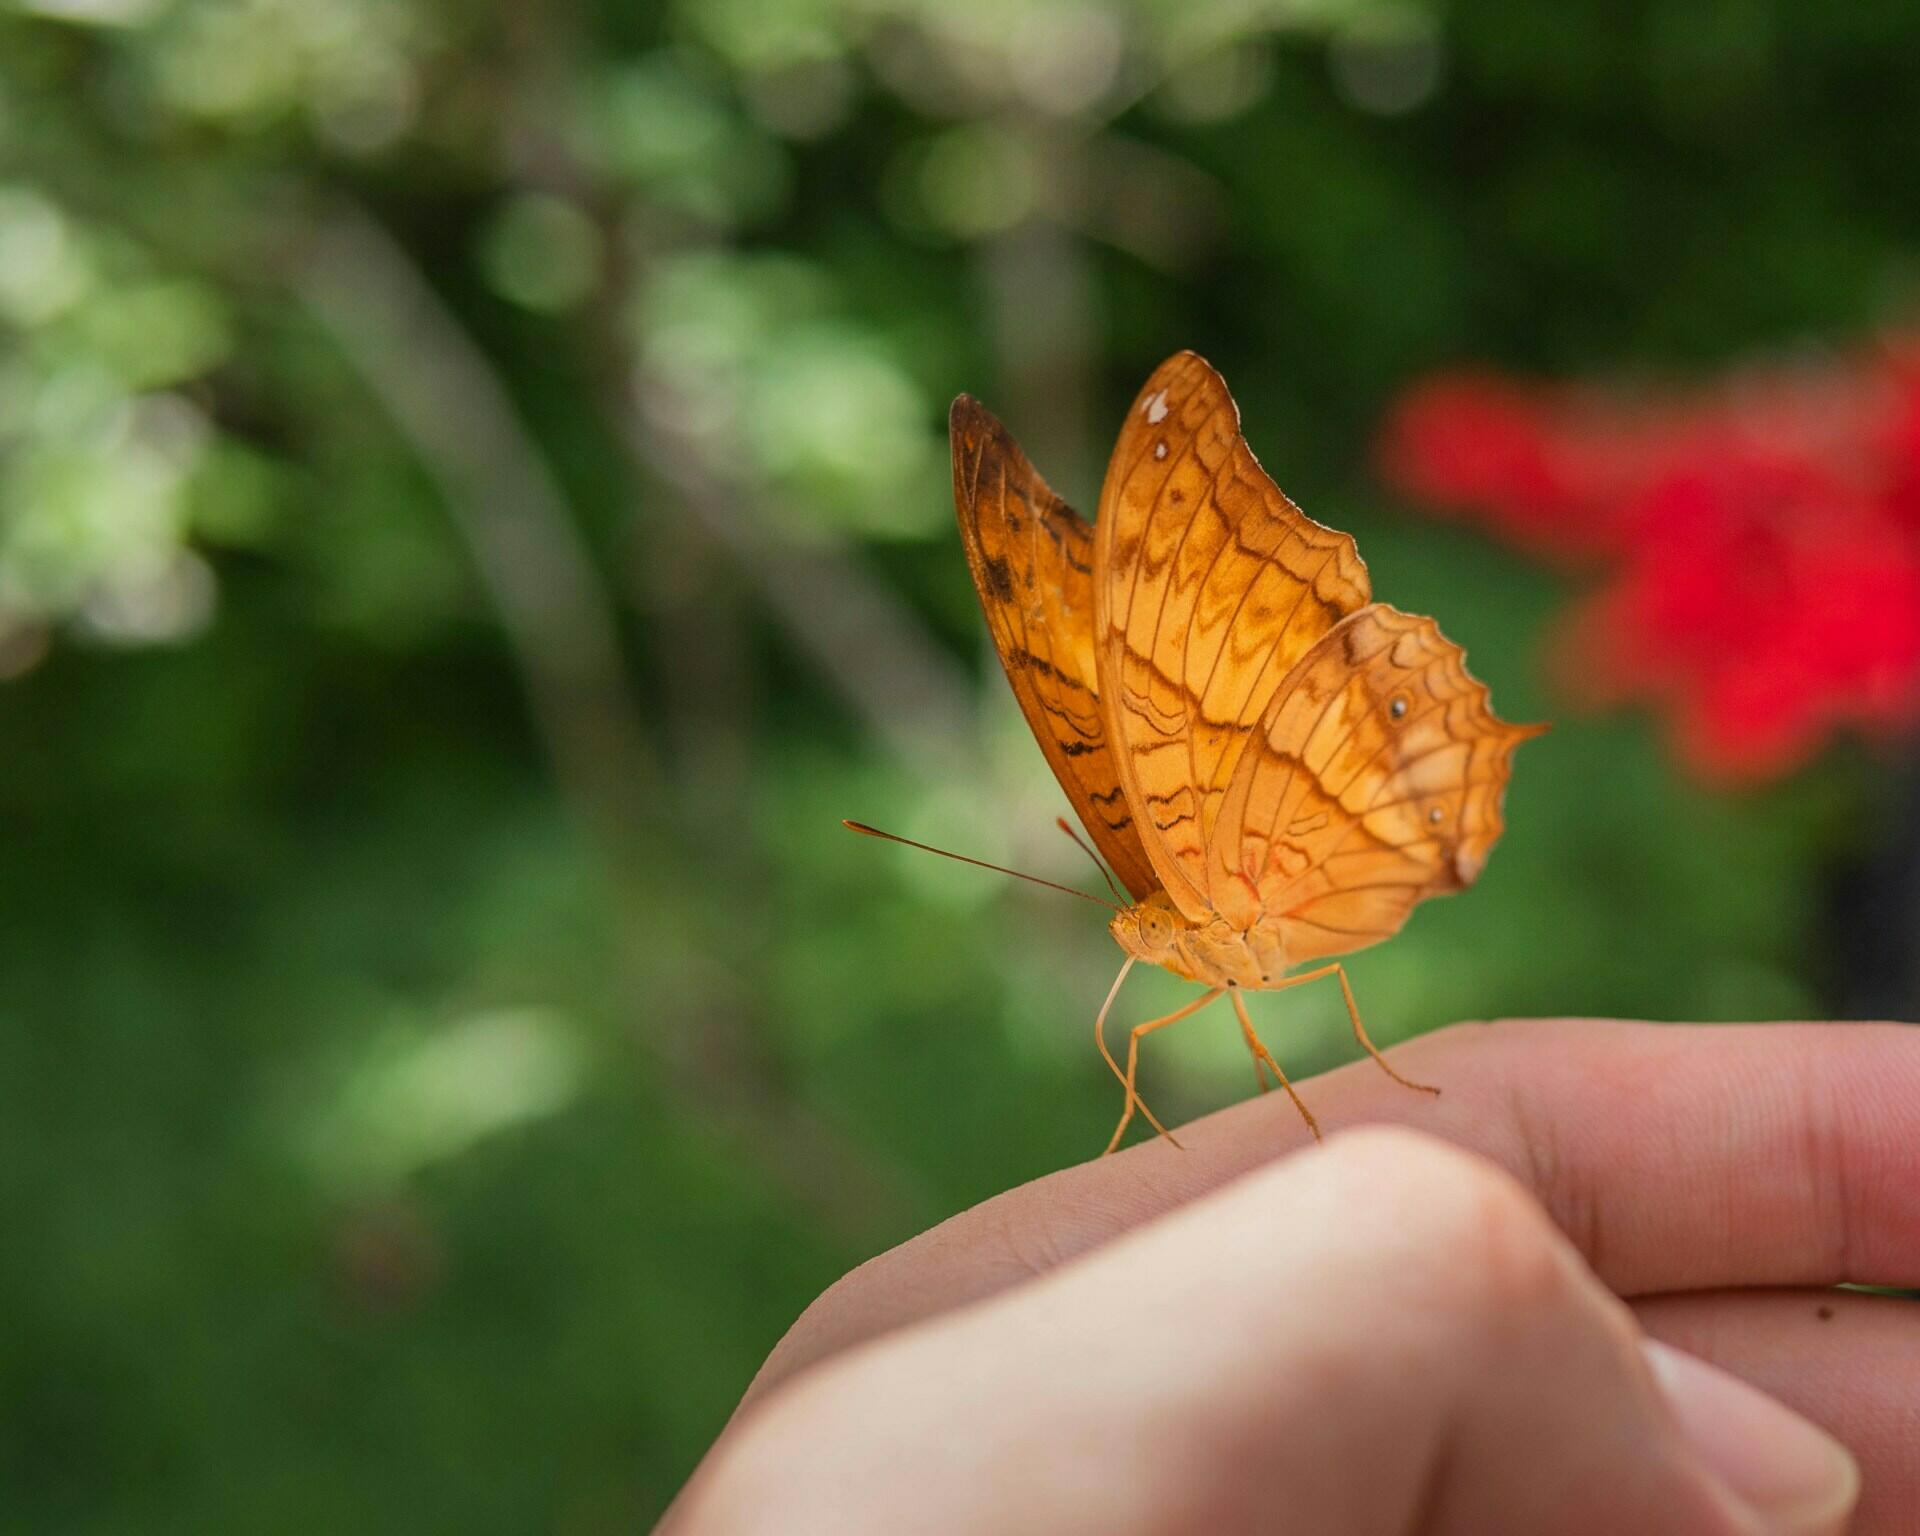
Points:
x=1515, y=1257
x=1496, y=1251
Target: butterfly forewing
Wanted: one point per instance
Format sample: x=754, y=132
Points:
x=1032, y=561
x=1374, y=781
x=1210, y=585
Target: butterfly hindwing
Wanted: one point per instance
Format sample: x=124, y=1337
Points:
x=1374, y=781
x=1032, y=561
x=1210, y=585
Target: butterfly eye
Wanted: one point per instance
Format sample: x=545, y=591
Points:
x=1397, y=708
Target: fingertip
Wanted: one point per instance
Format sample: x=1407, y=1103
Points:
x=1795, y=1478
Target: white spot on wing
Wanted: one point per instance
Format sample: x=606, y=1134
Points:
x=1160, y=449
x=1157, y=407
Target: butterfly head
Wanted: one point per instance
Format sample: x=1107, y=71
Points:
x=1149, y=930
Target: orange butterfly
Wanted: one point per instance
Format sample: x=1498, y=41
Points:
x=1277, y=768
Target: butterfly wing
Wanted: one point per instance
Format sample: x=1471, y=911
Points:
x=1374, y=781
x=1032, y=561
x=1210, y=586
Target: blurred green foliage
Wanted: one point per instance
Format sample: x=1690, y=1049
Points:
x=473, y=517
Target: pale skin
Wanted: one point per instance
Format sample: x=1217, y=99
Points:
x=1527, y=1305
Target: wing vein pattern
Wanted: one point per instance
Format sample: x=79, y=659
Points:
x=1209, y=587
x=1375, y=780
x=1031, y=556
x=1234, y=718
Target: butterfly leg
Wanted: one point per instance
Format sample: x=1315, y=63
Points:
x=1100, y=1023
x=1360, y=1034
x=1359, y=1029
x=1126, y=1077
x=1131, y=1075
x=1262, y=1054
x=1133, y=1056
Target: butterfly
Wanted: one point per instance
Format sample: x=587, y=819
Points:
x=1276, y=768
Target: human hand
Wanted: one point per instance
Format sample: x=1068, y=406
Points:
x=1390, y=1335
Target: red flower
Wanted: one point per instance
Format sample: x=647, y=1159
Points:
x=1762, y=540
x=1481, y=444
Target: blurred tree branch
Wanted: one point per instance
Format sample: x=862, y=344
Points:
x=495, y=483
x=910, y=695
x=443, y=392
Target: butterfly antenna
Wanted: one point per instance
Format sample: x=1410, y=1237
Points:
x=1062, y=823
x=999, y=869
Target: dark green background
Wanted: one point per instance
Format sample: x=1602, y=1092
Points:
x=473, y=517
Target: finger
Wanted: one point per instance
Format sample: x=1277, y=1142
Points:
x=1437, y=1360
x=1675, y=1157
x=1849, y=1362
